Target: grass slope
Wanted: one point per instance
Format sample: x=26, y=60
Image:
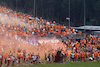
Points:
x=67, y=64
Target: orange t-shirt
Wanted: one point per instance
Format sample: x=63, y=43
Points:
x=79, y=54
x=87, y=54
x=76, y=54
x=70, y=46
x=55, y=52
x=29, y=55
x=22, y=56
x=83, y=54
x=95, y=54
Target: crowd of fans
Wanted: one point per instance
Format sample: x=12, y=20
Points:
x=90, y=51
x=84, y=49
x=22, y=58
x=41, y=27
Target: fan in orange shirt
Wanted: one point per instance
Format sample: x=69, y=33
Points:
x=55, y=52
x=70, y=46
x=23, y=61
x=18, y=57
x=76, y=56
x=83, y=56
x=5, y=58
x=87, y=55
x=96, y=55
x=79, y=56
x=41, y=18
x=27, y=58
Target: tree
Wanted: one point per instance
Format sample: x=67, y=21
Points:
x=58, y=10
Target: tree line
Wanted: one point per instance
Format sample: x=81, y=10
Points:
x=58, y=10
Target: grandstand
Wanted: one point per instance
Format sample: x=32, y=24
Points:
x=28, y=30
x=22, y=36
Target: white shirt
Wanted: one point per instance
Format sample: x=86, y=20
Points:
x=48, y=23
x=34, y=58
x=8, y=58
x=13, y=58
x=0, y=56
x=92, y=55
x=33, y=33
